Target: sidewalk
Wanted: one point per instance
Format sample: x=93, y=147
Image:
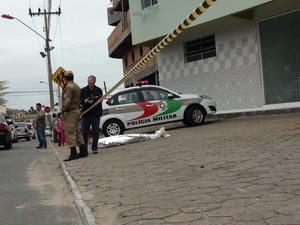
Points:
x=240, y=171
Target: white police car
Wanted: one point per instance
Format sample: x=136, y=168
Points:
x=148, y=105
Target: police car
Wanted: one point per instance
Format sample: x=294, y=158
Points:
x=148, y=105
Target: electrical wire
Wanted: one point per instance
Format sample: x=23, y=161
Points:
x=53, y=35
x=22, y=92
x=26, y=93
x=87, y=46
x=61, y=39
x=37, y=37
x=61, y=44
x=55, y=30
x=49, y=15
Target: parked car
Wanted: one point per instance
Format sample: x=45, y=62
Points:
x=148, y=105
x=5, y=133
x=48, y=131
x=23, y=131
x=31, y=130
x=14, y=132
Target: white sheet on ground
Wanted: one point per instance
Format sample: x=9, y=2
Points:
x=130, y=138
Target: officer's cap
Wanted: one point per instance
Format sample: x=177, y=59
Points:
x=69, y=73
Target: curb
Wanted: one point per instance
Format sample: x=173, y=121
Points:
x=84, y=211
x=221, y=116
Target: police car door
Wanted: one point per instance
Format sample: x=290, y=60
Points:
x=163, y=109
x=128, y=109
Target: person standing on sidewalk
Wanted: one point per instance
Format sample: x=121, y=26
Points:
x=71, y=113
x=40, y=123
x=60, y=130
x=89, y=95
x=56, y=125
x=52, y=127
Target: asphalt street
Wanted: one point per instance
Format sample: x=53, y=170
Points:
x=33, y=190
x=239, y=171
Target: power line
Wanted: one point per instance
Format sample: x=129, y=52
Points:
x=25, y=95
x=47, y=17
x=87, y=45
x=20, y=92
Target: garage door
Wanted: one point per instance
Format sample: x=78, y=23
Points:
x=280, y=50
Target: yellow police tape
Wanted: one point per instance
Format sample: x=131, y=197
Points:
x=170, y=37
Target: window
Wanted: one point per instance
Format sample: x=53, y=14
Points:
x=148, y=3
x=141, y=51
x=132, y=56
x=123, y=98
x=132, y=98
x=125, y=61
x=154, y=94
x=200, y=49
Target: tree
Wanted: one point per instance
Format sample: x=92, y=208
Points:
x=3, y=87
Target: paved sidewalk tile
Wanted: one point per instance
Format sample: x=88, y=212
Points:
x=236, y=171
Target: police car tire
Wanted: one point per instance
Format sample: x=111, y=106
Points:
x=113, y=124
x=192, y=114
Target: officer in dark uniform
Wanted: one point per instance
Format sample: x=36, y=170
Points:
x=71, y=113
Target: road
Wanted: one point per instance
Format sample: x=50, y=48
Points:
x=33, y=190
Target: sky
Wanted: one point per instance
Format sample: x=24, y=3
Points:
x=79, y=36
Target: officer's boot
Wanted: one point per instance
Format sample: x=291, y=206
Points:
x=73, y=154
x=83, y=152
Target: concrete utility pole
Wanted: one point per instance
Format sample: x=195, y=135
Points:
x=47, y=16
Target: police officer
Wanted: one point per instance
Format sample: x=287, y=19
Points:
x=71, y=113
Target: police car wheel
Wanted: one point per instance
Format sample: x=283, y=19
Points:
x=194, y=116
x=113, y=127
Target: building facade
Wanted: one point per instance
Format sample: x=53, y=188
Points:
x=243, y=54
x=120, y=45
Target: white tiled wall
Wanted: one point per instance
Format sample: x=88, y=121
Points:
x=232, y=78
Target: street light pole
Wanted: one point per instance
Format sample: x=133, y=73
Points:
x=47, y=49
x=6, y=16
x=49, y=63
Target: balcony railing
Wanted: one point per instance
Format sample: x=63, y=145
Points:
x=120, y=33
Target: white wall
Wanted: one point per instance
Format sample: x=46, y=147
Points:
x=232, y=78
x=162, y=18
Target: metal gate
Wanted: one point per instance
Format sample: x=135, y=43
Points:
x=280, y=50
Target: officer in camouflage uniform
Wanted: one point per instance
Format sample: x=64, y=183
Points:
x=71, y=113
